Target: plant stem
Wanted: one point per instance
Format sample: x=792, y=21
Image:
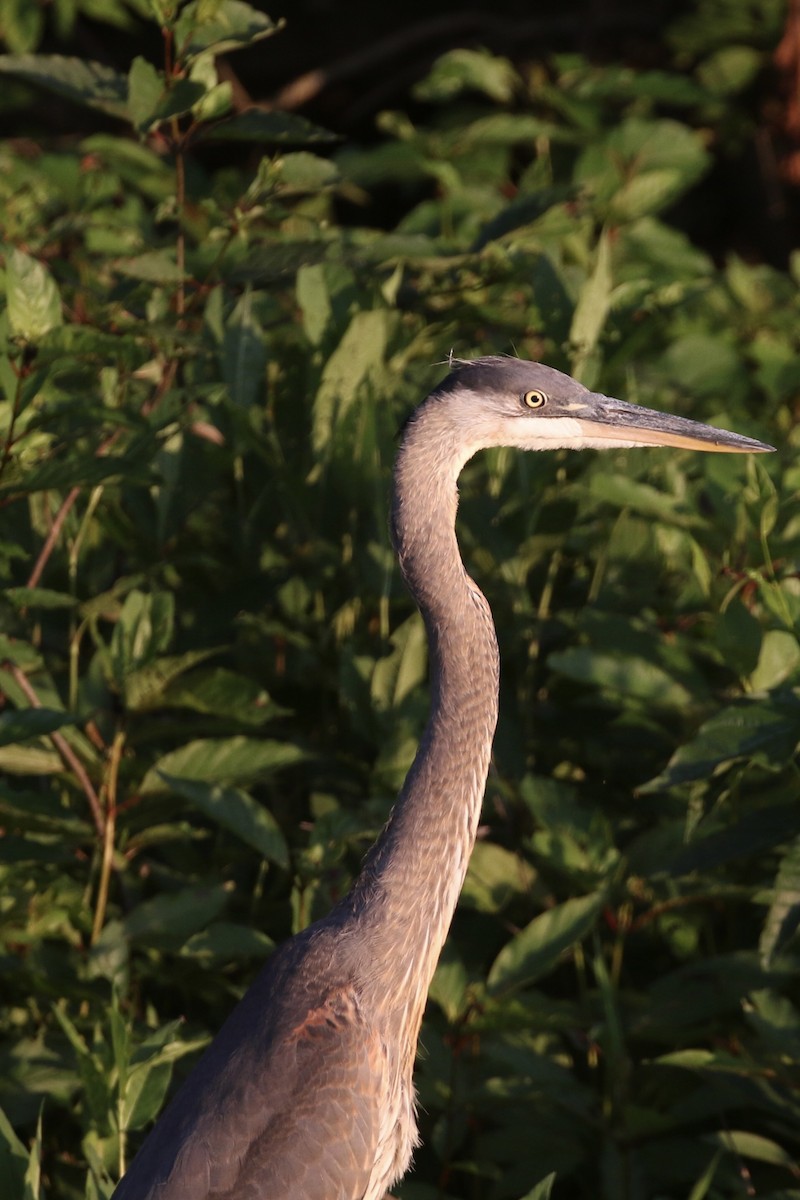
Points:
x=107, y=863
x=65, y=751
x=52, y=537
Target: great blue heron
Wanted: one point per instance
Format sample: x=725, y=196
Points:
x=306, y=1093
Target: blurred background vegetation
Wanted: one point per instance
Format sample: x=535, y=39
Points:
x=234, y=249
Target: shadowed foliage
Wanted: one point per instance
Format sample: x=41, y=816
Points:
x=213, y=320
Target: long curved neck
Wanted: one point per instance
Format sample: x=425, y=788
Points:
x=416, y=868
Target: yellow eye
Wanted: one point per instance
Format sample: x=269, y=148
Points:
x=534, y=399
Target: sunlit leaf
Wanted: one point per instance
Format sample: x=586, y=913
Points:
x=221, y=760
x=34, y=305
x=539, y=946
x=229, y=25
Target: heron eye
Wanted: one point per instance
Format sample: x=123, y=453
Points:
x=534, y=399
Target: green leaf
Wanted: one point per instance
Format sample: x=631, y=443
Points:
x=314, y=301
x=31, y=722
x=30, y=810
x=543, y=1189
x=13, y=1156
x=147, y=1074
x=730, y=69
x=87, y=83
x=155, y=266
x=783, y=917
x=703, y=1184
x=229, y=25
x=171, y=917
x=145, y=89
x=269, y=128
x=304, y=172
x=744, y=1144
x=221, y=760
x=495, y=876
x=244, y=353
x=594, y=302
x=237, y=812
x=468, y=70
x=29, y=760
x=145, y=687
x=34, y=305
x=33, y=1173
x=642, y=165
x=223, y=942
x=177, y=100
x=625, y=493
x=357, y=359
x=22, y=25
x=142, y=632
x=400, y=673
x=738, y=635
x=778, y=659
x=78, y=469
x=765, y=731
x=751, y=834
x=225, y=694
x=534, y=951
x=144, y=1094
x=628, y=675
x=38, y=597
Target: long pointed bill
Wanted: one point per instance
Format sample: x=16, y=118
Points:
x=607, y=420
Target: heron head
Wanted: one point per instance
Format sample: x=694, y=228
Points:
x=509, y=402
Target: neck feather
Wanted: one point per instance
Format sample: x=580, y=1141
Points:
x=416, y=868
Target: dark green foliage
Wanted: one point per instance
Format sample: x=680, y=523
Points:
x=214, y=681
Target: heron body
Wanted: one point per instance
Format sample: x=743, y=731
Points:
x=307, y=1093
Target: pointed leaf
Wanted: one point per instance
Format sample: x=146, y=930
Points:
x=358, y=357
x=543, y=1189
x=13, y=1156
x=783, y=917
x=221, y=760
x=236, y=811
x=244, y=353
x=171, y=917
x=34, y=305
x=145, y=89
x=146, y=687
x=592, y=308
x=84, y=82
x=38, y=597
x=223, y=693
x=537, y=948
x=229, y=25
x=32, y=722
x=270, y=128
x=765, y=731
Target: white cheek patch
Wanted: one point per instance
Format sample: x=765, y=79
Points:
x=540, y=433
x=553, y=433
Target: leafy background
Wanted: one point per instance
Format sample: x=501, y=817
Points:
x=220, y=298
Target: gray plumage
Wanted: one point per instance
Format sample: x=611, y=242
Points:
x=306, y=1093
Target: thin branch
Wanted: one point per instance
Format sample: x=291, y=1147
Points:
x=52, y=537
x=452, y=29
x=107, y=864
x=61, y=516
x=67, y=754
